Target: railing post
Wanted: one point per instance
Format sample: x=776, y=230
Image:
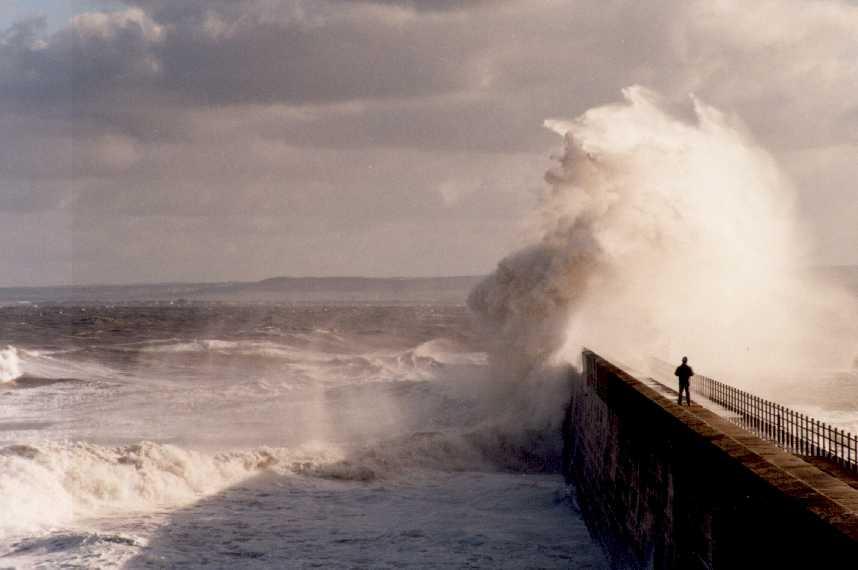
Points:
x=839, y=446
x=788, y=435
x=830, y=441
x=817, y=437
x=793, y=431
x=852, y=458
x=779, y=427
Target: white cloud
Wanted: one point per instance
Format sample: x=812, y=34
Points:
x=106, y=25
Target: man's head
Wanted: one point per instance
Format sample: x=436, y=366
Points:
x=684, y=359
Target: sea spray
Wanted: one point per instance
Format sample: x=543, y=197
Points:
x=661, y=237
x=10, y=366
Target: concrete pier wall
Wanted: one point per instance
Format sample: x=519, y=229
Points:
x=664, y=486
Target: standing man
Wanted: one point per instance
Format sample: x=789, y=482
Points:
x=684, y=372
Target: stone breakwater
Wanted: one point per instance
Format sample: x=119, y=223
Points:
x=664, y=486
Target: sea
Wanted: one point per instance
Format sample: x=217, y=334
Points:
x=271, y=435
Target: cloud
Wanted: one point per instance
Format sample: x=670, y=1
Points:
x=360, y=114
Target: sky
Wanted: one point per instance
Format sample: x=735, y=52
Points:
x=207, y=140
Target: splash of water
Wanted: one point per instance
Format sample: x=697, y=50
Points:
x=662, y=237
x=10, y=364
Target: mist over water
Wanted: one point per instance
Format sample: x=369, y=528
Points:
x=663, y=237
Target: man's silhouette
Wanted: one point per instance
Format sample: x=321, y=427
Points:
x=684, y=372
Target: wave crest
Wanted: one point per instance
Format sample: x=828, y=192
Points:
x=53, y=483
x=10, y=364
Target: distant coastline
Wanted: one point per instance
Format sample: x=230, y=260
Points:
x=452, y=289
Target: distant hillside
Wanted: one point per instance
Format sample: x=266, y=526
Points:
x=275, y=289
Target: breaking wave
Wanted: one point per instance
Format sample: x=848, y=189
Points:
x=10, y=365
x=32, y=368
x=53, y=483
x=335, y=364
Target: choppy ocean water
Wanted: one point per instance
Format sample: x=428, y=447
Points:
x=232, y=436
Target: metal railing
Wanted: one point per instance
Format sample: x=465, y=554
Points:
x=793, y=431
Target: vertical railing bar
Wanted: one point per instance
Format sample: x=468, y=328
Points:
x=831, y=441
x=837, y=447
x=752, y=403
x=853, y=450
x=814, y=437
x=789, y=430
x=791, y=415
x=832, y=444
x=772, y=434
x=792, y=430
x=800, y=433
x=817, y=439
x=852, y=458
x=817, y=436
x=756, y=422
x=768, y=419
x=795, y=432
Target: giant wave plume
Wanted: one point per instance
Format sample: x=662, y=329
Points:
x=662, y=237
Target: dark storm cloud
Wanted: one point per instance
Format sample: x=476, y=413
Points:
x=271, y=62
x=436, y=5
x=77, y=65
x=211, y=53
x=171, y=10
x=354, y=124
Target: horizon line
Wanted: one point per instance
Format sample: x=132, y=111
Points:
x=236, y=281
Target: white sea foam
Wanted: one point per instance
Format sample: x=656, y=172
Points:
x=445, y=351
x=20, y=364
x=52, y=484
x=10, y=365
